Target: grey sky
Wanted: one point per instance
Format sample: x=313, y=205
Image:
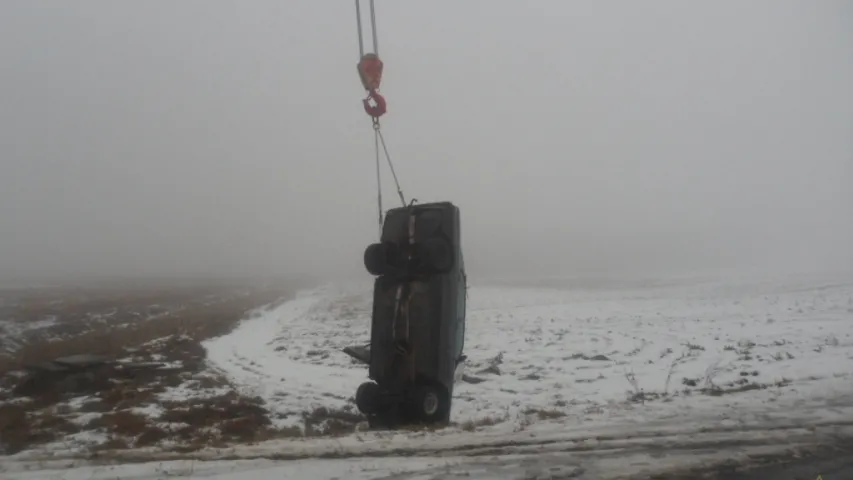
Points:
x=213, y=137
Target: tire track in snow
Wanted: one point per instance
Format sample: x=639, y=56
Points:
x=270, y=356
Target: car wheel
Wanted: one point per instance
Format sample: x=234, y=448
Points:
x=429, y=403
x=376, y=259
x=367, y=398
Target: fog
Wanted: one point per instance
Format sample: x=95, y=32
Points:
x=228, y=138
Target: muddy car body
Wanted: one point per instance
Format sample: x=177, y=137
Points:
x=418, y=319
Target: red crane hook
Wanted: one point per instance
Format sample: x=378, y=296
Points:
x=378, y=107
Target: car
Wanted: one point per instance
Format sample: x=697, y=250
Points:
x=417, y=332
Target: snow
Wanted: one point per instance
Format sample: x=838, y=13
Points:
x=11, y=331
x=152, y=411
x=592, y=458
x=291, y=356
x=190, y=389
x=579, y=350
x=82, y=419
x=72, y=444
x=357, y=469
x=574, y=350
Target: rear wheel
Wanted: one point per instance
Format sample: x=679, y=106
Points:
x=367, y=398
x=429, y=403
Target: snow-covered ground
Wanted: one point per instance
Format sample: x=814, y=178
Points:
x=581, y=369
x=291, y=357
x=577, y=352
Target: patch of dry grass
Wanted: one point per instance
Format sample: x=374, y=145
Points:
x=334, y=422
x=471, y=425
x=214, y=314
x=743, y=385
x=545, y=413
x=123, y=423
x=238, y=418
x=20, y=429
x=34, y=411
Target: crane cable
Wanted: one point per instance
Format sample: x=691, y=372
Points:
x=370, y=71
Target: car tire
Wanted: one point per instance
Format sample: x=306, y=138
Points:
x=367, y=398
x=429, y=403
x=376, y=259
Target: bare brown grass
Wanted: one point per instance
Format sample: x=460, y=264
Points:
x=545, y=413
x=334, y=422
x=128, y=328
x=471, y=425
x=126, y=325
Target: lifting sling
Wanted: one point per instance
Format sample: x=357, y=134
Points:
x=370, y=68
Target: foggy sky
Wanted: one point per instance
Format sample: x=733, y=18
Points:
x=222, y=138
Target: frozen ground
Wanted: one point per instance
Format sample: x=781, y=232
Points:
x=701, y=370
x=577, y=353
x=139, y=377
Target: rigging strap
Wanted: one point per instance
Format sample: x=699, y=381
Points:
x=370, y=68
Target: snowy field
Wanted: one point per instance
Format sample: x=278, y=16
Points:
x=759, y=365
x=576, y=352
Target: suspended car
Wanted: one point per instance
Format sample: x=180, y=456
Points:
x=417, y=327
